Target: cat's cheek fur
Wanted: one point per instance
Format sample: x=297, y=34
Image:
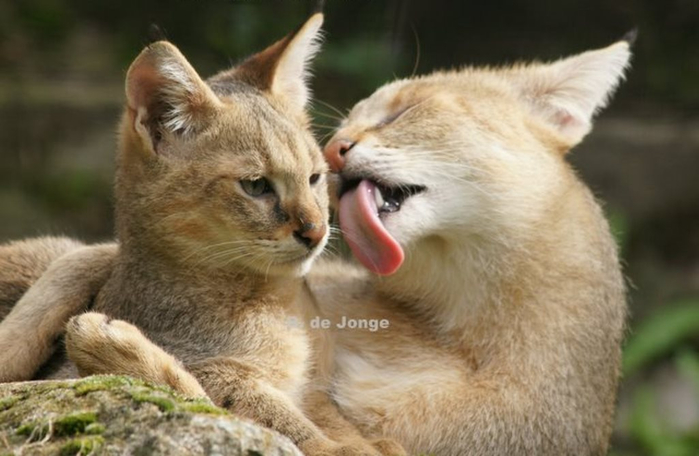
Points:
x=416, y=219
x=446, y=210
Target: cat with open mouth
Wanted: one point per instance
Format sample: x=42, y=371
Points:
x=490, y=258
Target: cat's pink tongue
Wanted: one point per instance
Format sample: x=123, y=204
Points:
x=369, y=240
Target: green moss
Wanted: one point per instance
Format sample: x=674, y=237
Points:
x=108, y=411
x=33, y=430
x=68, y=425
x=84, y=445
x=75, y=423
x=46, y=388
x=202, y=407
x=164, y=404
x=95, y=428
x=168, y=401
x=167, y=390
x=8, y=402
x=124, y=383
x=103, y=382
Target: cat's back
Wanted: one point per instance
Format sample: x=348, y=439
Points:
x=23, y=262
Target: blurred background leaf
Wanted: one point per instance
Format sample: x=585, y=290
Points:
x=660, y=335
x=688, y=365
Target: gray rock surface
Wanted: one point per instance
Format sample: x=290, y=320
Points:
x=114, y=415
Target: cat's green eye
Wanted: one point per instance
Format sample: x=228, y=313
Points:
x=256, y=187
x=314, y=178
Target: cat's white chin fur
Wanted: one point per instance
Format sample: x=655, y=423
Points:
x=297, y=268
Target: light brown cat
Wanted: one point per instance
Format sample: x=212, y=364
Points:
x=221, y=206
x=491, y=260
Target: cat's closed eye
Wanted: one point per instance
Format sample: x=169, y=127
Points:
x=392, y=117
x=256, y=187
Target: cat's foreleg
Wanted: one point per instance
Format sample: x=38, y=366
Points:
x=246, y=390
x=98, y=344
x=325, y=413
x=23, y=262
x=29, y=333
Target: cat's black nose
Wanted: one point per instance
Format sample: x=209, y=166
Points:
x=309, y=234
x=335, y=153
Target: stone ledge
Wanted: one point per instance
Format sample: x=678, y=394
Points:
x=114, y=415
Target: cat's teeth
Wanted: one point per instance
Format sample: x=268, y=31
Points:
x=385, y=205
x=390, y=205
x=378, y=197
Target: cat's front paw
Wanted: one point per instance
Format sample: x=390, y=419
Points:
x=98, y=344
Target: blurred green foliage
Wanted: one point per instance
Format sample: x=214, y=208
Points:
x=619, y=226
x=649, y=430
x=369, y=41
x=661, y=335
x=650, y=434
x=671, y=333
x=73, y=190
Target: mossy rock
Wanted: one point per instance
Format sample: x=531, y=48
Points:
x=115, y=415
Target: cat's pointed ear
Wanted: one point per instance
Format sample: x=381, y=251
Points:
x=165, y=95
x=283, y=68
x=567, y=93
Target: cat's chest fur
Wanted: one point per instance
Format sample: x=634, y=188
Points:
x=375, y=388
x=378, y=375
x=195, y=320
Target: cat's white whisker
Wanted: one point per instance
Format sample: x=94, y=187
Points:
x=342, y=116
x=328, y=116
x=219, y=255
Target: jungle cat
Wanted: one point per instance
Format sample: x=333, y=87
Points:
x=491, y=260
x=221, y=207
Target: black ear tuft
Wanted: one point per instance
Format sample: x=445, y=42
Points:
x=631, y=36
x=155, y=33
x=319, y=7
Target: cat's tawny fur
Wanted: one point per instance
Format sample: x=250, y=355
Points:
x=23, y=262
x=46, y=269
x=507, y=314
x=221, y=206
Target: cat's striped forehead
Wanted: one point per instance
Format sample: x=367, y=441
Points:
x=279, y=141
